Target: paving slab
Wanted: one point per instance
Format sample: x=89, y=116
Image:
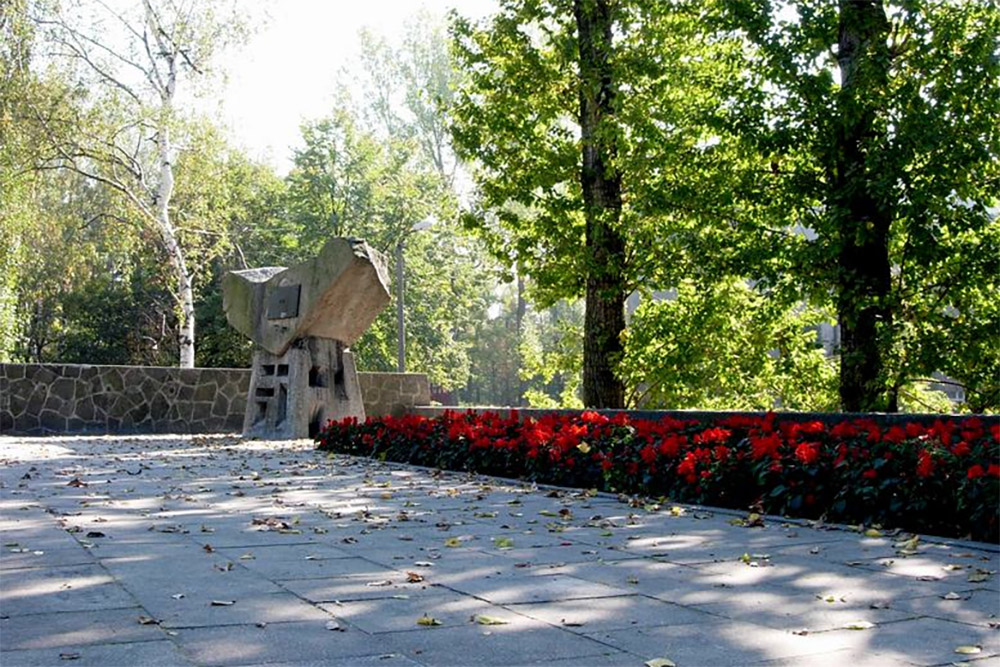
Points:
x=291, y=643
x=161, y=653
x=114, y=549
x=78, y=628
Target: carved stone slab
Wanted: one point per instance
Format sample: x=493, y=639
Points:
x=335, y=295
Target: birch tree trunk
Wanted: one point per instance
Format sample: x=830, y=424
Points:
x=184, y=292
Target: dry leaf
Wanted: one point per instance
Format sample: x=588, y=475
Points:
x=951, y=596
x=873, y=532
x=222, y=603
x=428, y=620
x=503, y=543
x=380, y=582
x=488, y=620
x=148, y=620
x=859, y=625
x=453, y=542
x=969, y=650
x=660, y=662
x=334, y=625
x=208, y=548
x=413, y=577
x=178, y=596
x=69, y=656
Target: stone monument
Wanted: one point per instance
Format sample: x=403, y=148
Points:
x=302, y=320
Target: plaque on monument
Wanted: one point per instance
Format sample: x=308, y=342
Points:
x=302, y=320
x=284, y=302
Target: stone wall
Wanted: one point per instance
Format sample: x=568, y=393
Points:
x=393, y=393
x=68, y=398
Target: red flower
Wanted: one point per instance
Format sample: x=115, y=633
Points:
x=975, y=472
x=591, y=417
x=895, y=435
x=925, y=464
x=711, y=435
x=648, y=455
x=686, y=467
x=807, y=452
x=869, y=474
x=765, y=446
x=721, y=453
x=961, y=449
x=671, y=445
x=843, y=430
x=993, y=470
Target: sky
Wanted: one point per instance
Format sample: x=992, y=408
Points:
x=289, y=69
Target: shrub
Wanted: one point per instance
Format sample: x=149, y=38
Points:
x=942, y=479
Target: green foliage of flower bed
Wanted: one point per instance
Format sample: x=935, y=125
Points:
x=941, y=479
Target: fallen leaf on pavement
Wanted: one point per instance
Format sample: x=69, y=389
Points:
x=859, y=625
x=660, y=662
x=488, y=620
x=969, y=650
x=503, y=543
x=222, y=603
x=428, y=620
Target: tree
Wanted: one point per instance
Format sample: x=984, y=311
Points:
x=726, y=346
x=349, y=181
x=126, y=136
x=536, y=71
x=17, y=87
x=885, y=149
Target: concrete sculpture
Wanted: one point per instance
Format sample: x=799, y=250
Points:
x=302, y=320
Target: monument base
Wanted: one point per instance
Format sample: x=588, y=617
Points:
x=293, y=395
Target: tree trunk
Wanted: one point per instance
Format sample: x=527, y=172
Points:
x=601, y=181
x=862, y=216
x=164, y=192
x=522, y=307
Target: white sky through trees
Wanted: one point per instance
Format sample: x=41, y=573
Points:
x=290, y=68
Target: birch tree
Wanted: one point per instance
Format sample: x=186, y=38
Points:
x=135, y=61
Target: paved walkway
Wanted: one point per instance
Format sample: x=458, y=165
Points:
x=213, y=551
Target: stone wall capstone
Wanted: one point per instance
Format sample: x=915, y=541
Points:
x=37, y=399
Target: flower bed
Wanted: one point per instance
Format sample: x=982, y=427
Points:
x=941, y=479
